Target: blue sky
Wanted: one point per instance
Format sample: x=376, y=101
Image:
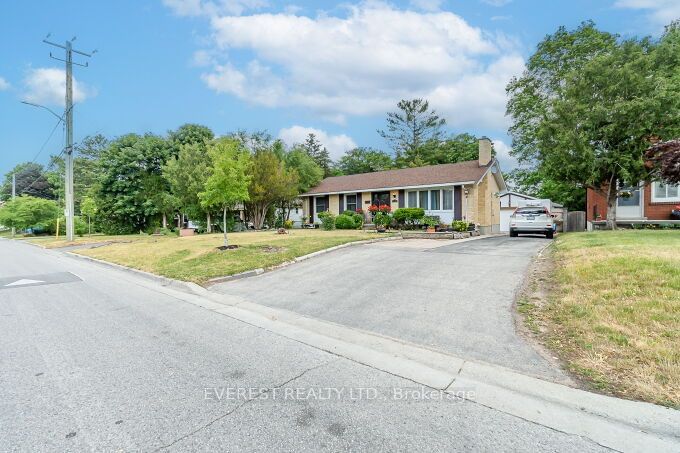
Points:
x=289, y=67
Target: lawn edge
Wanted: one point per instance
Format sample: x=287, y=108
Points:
x=167, y=281
x=530, y=326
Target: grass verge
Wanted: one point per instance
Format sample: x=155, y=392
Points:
x=51, y=242
x=197, y=259
x=610, y=308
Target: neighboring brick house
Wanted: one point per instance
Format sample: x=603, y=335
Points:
x=651, y=201
x=462, y=191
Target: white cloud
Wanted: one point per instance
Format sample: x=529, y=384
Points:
x=48, y=86
x=210, y=8
x=364, y=63
x=427, y=5
x=4, y=84
x=497, y=3
x=661, y=12
x=336, y=144
x=202, y=58
x=506, y=161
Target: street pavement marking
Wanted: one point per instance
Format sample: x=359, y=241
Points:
x=22, y=281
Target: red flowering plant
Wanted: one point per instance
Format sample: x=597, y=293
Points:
x=373, y=208
x=359, y=211
x=385, y=208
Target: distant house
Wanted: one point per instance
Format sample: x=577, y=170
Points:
x=650, y=202
x=462, y=191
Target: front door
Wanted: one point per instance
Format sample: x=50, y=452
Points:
x=629, y=203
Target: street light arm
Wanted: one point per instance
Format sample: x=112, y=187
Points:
x=61, y=118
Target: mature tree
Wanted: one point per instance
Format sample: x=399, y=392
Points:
x=131, y=180
x=585, y=108
x=86, y=169
x=411, y=127
x=88, y=207
x=664, y=161
x=364, y=160
x=228, y=183
x=189, y=134
x=307, y=174
x=318, y=152
x=187, y=173
x=254, y=141
x=28, y=212
x=533, y=182
x=31, y=179
x=457, y=148
x=270, y=184
x=308, y=171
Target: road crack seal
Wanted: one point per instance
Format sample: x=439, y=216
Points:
x=227, y=414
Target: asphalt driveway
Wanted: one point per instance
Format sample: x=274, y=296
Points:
x=449, y=295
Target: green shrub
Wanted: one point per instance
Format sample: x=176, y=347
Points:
x=79, y=226
x=431, y=221
x=349, y=220
x=382, y=219
x=459, y=225
x=288, y=224
x=327, y=220
x=409, y=217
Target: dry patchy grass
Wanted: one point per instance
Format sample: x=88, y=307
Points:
x=52, y=242
x=613, y=312
x=196, y=258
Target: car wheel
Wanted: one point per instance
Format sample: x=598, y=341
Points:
x=513, y=234
x=549, y=235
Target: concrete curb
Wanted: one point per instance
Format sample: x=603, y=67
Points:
x=614, y=423
x=166, y=281
x=260, y=271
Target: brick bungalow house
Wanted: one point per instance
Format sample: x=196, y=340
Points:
x=462, y=191
x=648, y=202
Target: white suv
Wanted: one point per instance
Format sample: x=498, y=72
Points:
x=532, y=220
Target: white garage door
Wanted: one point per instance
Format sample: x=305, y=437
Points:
x=505, y=219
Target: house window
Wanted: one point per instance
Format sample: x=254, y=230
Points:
x=435, y=200
x=448, y=200
x=321, y=204
x=665, y=192
x=422, y=199
x=413, y=199
x=351, y=202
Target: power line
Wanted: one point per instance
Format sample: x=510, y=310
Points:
x=49, y=167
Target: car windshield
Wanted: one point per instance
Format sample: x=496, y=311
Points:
x=531, y=211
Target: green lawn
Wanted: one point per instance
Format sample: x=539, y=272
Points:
x=197, y=259
x=613, y=311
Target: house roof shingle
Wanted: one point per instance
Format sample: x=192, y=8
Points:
x=406, y=177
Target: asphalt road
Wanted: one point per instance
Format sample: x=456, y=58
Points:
x=453, y=296
x=92, y=359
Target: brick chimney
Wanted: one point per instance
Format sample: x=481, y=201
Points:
x=484, y=151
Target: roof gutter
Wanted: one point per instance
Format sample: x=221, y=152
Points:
x=382, y=189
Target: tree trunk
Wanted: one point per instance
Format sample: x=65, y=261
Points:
x=208, y=226
x=612, y=195
x=165, y=221
x=89, y=226
x=179, y=221
x=224, y=224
